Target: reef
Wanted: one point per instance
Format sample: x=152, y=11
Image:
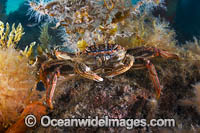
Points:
x=86, y=23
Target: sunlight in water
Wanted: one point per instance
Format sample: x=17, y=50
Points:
x=13, y=5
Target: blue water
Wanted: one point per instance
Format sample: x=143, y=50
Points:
x=13, y=5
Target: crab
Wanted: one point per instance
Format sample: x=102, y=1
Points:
x=98, y=62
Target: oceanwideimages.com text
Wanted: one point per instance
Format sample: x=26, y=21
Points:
x=46, y=121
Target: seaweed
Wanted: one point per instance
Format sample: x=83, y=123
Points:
x=131, y=94
x=45, y=38
x=16, y=76
x=10, y=38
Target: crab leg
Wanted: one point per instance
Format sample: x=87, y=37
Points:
x=162, y=53
x=154, y=77
x=127, y=64
x=152, y=52
x=50, y=92
x=85, y=71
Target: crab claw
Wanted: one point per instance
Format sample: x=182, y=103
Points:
x=125, y=66
x=85, y=71
x=63, y=55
